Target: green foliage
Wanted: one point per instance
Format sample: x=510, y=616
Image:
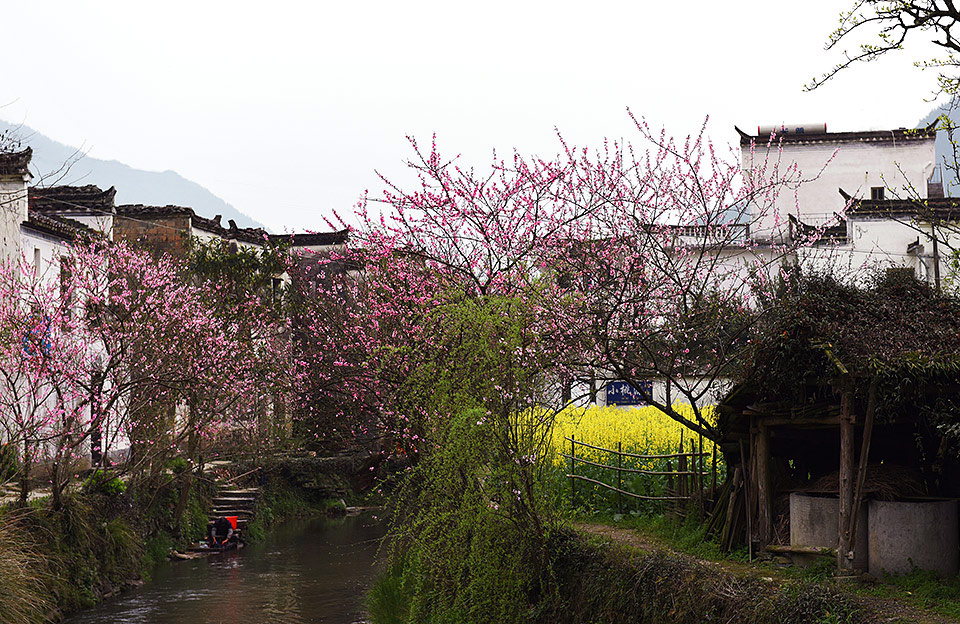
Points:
x=155, y=551
x=924, y=589
x=388, y=601
x=86, y=552
x=9, y=462
x=178, y=465
x=243, y=270
x=608, y=583
x=103, y=483
x=281, y=501
x=469, y=534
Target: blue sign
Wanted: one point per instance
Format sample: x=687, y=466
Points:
x=623, y=393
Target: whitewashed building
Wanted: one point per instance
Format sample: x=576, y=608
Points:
x=872, y=198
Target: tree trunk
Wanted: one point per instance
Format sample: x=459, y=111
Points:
x=187, y=478
x=25, y=474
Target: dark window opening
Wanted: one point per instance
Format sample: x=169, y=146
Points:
x=876, y=193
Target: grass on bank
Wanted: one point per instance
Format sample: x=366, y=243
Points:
x=919, y=589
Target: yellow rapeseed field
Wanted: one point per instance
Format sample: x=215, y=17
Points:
x=642, y=430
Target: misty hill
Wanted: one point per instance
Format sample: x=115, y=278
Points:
x=134, y=186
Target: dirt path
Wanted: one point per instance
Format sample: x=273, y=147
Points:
x=881, y=610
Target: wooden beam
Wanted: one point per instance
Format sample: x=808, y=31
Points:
x=864, y=460
x=764, y=486
x=844, y=562
x=812, y=422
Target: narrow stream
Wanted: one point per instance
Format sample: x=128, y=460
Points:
x=310, y=571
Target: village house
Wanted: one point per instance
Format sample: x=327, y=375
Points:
x=40, y=224
x=854, y=202
x=869, y=198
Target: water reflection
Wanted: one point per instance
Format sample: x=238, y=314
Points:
x=314, y=571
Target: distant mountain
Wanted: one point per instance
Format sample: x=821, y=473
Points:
x=134, y=186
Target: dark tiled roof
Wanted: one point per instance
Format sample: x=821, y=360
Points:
x=257, y=236
x=139, y=210
x=314, y=239
x=16, y=163
x=209, y=225
x=836, y=233
x=930, y=209
x=867, y=136
x=59, y=227
x=80, y=199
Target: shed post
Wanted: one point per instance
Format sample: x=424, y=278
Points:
x=844, y=562
x=764, y=485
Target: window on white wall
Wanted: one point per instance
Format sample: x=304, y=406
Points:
x=876, y=193
x=37, y=258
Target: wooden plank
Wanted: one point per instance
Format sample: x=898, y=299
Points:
x=801, y=550
x=864, y=460
x=811, y=423
x=746, y=500
x=726, y=536
x=844, y=562
x=764, y=486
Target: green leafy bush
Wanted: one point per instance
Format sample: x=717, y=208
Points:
x=102, y=483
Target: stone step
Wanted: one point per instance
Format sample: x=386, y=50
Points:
x=239, y=491
x=229, y=511
x=219, y=501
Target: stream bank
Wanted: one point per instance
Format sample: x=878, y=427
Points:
x=109, y=536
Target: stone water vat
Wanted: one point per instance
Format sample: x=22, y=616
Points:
x=814, y=520
x=914, y=534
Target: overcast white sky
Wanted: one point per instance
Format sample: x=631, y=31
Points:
x=285, y=108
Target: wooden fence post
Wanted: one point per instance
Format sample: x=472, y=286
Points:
x=681, y=469
x=620, y=477
x=713, y=488
x=670, y=491
x=573, y=471
x=700, y=495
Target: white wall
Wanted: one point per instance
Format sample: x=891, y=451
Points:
x=13, y=212
x=855, y=166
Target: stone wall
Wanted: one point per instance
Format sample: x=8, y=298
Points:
x=169, y=234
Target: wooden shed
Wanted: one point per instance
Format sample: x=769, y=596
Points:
x=851, y=392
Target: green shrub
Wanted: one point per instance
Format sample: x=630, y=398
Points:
x=102, y=483
x=178, y=465
x=9, y=462
x=388, y=601
x=470, y=530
